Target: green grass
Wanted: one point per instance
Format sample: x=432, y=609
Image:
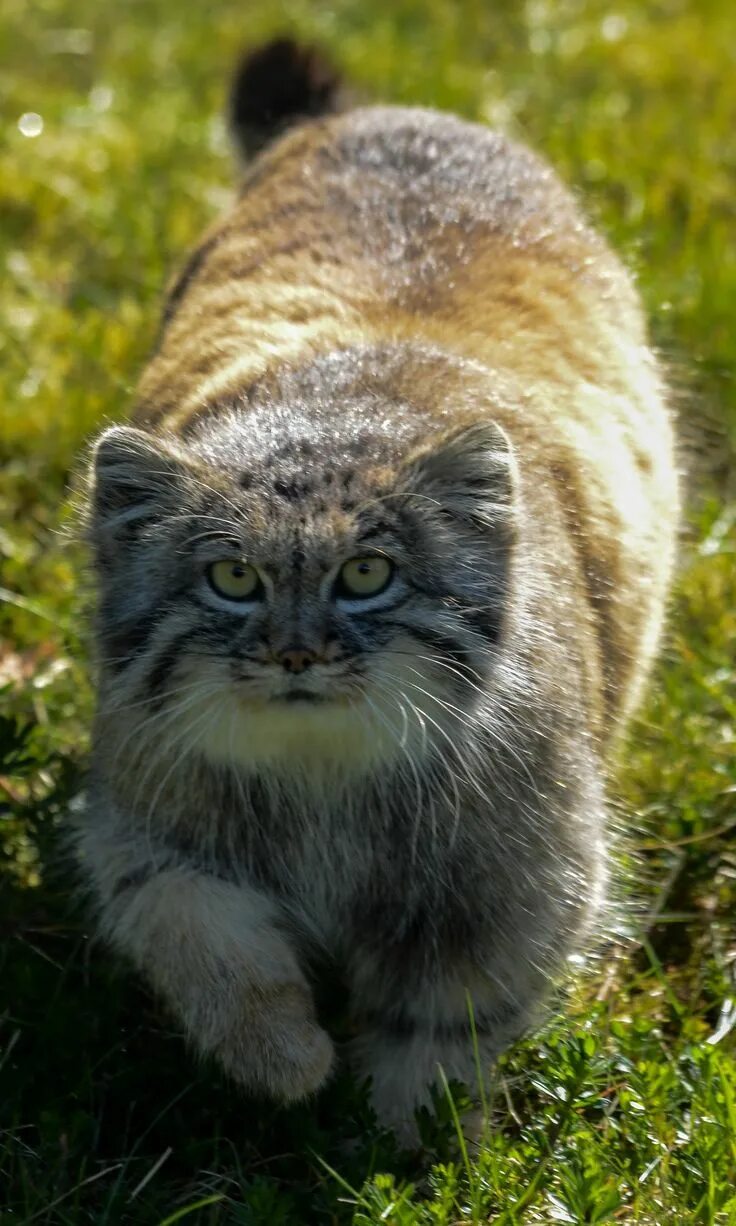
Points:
x=623, y=1111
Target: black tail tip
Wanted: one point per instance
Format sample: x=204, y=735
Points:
x=278, y=85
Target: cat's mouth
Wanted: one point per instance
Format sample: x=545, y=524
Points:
x=291, y=695
x=291, y=698
x=301, y=696
x=297, y=695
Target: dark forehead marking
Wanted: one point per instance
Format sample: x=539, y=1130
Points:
x=381, y=528
x=293, y=488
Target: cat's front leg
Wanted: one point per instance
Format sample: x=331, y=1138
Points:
x=448, y=1028
x=214, y=952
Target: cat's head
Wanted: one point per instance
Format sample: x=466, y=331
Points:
x=294, y=590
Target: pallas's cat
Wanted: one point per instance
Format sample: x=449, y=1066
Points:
x=381, y=564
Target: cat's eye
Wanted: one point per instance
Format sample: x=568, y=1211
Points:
x=235, y=580
x=360, y=578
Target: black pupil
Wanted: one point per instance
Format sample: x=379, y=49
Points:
x=364, y=568
x=238, y=572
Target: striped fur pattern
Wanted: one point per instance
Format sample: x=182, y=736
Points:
x=402, y=342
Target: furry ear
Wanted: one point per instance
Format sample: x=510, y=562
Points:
x=134, y=475
x=469, y=472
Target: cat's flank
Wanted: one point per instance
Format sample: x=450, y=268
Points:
x=381, y=565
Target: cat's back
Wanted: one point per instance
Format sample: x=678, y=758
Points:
x=386, y=224
x=410, y=198
x=418, y=168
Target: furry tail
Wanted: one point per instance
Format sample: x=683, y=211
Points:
x=279, y=85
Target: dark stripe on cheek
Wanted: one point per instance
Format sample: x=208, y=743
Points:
x=445, y=644
x=166, y=663
x=462, y=658
x=125, y=643
x=133, y=880
x=486, y=622
x=350, y=638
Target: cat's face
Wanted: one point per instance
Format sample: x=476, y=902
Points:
x=334, y=597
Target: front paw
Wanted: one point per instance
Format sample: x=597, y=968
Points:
x=409, y=1073
x=277, y=1047
x=402, y=1114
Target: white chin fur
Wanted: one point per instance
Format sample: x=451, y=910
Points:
x=305, y=738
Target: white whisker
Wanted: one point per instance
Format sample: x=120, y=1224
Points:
x=195, y=723
x=162, y=718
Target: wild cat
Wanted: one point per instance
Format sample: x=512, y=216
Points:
x=382, y=565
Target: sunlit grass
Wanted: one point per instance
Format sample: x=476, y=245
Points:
x=624, y=1111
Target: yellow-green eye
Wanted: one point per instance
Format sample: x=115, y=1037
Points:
x=363, y=577
x=235, y=580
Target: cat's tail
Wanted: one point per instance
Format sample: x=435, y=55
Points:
x=276, y=86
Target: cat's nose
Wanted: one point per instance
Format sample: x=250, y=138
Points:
x=296, y=659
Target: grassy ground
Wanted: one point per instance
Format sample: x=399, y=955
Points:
x=624, y=1112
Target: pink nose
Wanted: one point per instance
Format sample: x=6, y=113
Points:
x=296, y=659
